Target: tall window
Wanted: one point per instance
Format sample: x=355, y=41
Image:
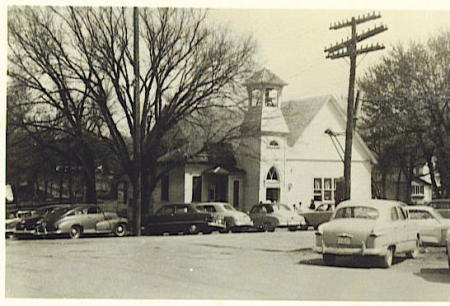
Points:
x=324, y=189
x=417, y=190
x=165, y=188
x=196, y=189
x=317, y=189
x=272, y=175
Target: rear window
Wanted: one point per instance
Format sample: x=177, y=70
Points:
x=228, y=207
x=357, y=212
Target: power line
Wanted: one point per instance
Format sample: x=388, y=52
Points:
x=349, y=48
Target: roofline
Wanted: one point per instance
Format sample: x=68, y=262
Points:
x=361, y=141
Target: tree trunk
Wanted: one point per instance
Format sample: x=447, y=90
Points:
x=87, y=159
x=431, y=169
x=443, y=166
x=408, y=190
x=397, y=185
x=61, y=186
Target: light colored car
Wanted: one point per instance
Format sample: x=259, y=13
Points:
x=267, y=217
x=75, y=221
x=234, y=220
x=368, y=228
x=431, y=225
x=442, y=206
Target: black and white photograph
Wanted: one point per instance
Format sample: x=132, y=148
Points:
x=191, y=152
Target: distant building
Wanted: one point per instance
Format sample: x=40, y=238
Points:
x=284, y=155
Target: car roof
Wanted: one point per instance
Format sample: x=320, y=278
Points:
x=376, y=203
x=211, y=203
x=420, y=207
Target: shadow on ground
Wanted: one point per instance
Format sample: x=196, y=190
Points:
x=440, y=275
x=366, y=262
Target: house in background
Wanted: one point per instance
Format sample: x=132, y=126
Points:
x=284, y=155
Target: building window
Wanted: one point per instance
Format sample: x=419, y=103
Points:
x=274, y=144
x=325, y=189
x=328, y=190
x=236, y=193
x=417, y=190
x=196, y=189
x=271, y=97
x=317, y=189
x=272, y=175
x=165, y=188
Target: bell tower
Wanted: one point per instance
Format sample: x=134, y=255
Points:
x=262, y=147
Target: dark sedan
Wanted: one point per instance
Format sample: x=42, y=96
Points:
x=182, y=218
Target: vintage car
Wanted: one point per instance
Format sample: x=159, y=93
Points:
x=368, y=228
x=442, y=206
x=318, y=216
x=182, y=218
x=234, y=220
x=432, y=227
x=269, y=216
x=75, y=221
x=15, y=219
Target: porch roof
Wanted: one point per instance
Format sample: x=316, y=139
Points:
x=223, y=170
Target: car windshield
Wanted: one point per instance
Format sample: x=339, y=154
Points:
x=228, y=207
x=419, y=214
x=58, y=211
x=359, y=212
x=281, y=207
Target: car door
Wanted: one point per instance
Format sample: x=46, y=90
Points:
x=162, y=220
x=429, y=227
x=397, y=232
x=104, y=221
x=257, y=215
x=94, y=216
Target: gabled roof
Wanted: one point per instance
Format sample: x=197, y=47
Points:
x=298, y=114
x=265, y=76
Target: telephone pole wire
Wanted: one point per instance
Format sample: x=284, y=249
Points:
x=349, y=48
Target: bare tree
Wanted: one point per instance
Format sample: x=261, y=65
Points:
x=40, y=60
x=187, y=66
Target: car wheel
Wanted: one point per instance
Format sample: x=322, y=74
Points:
x=414, y=253
x=226, y=229
x=386, y=260
x=75, y=232
x=192, y=229
x=120, y=230
x=292, y=228
x=329, y=259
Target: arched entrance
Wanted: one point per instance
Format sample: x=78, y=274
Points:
x=272, y=185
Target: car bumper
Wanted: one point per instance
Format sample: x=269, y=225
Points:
x=363, y=251
x=216, y=225
x=243, y=223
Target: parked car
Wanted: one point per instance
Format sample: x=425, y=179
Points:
x=234, y=220
x=368, y=228
x=182, y=217
x=267, y=217
x=75, y=221
x=320, y=215
x=432, y=227
x=14, y=219
x=442, y=206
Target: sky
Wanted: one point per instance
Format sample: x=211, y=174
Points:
x=291, y=42
x=291, y=35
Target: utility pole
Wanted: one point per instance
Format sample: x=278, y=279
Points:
x=349, y=48
x=137, y=127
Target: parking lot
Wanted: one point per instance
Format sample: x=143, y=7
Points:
x=256, y=266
